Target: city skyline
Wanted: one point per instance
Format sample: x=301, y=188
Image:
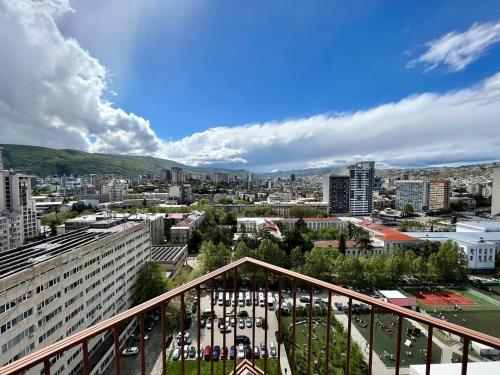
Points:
x=316, y=100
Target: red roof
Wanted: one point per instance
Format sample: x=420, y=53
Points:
x=323, y=219
x=386, y=233
x=177, y=215
x=335, y=244
x=403, y=302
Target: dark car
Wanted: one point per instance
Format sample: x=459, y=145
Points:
x=242, y=314
x=220, y=322
x=168, y=340
x=223, y=353
x=232, y=352
x=203, y=323
x=192, y=352
x=242, y=339
x=339, y=306
x=216, y=353
x=248, y=352
x=304, y=299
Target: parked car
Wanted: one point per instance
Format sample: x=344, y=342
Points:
x=263, y=350
x=226, y=328
x=248, y=352
x=168, y=340
x=339, y=306
x=176, y=354
x=132, y=350
x=209, y=323
x=256, y=352
x=241, y=351
x=207, y=353
x=232, y=352
x=203, y=323
x=242, y=339
x=192, y=352
x=258, y=322
x=138, y=337
x=216, y=353
x=241, y=323
x=233, y=322
x=185, y=352
x=272, y=349
x=220, y=323
x=242, y=314
x=223, y=353
x=304, y=299
x=248, y=322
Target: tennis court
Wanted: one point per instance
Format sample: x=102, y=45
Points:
x=442, y=298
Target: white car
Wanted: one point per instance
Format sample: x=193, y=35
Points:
x=133, y=350
x=209, y=324
x=272, y=349
x=186, y=351
x=241, y=351
x=176, y=354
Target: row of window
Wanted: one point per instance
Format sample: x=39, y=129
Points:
x=47, y=334
x=10, y=305
x=18, y=319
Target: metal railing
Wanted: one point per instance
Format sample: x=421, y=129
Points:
x=43, y=356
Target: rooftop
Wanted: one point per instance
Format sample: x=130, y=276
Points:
x=165, y=253
x=386, y=233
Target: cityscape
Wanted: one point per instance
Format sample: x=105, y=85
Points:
x=352, y=237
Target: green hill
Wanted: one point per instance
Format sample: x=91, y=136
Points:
x=43, y=161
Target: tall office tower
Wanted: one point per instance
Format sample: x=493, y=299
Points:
x=362, y=177
x=15, y=200
x=292, y=177
x=495, y=192
x=165, y=175
x=177, y=175
x=414, y=192
x=56, y=287
x=336, y=193
x=439, y=194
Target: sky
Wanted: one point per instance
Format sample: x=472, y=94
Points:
x=260, y=85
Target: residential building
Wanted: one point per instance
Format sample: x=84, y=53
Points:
x=362, y=178
x=171, y=258
x=165, y=175
x=54, y=288
x=439, y=194
x=11, y=230
x=495, y=192
x=177, y=175
x=414, y=193
x=183, y=231
x=116, y=190
x=336, y=193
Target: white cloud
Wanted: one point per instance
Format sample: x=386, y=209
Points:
x=52, y=94
x=421, y=130
x=457, y=50
x=52, y=90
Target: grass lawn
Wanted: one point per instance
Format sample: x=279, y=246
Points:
x=190, y=366
x=383, y=343
x=485, y=321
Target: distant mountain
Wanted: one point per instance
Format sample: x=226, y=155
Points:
x=43, y=161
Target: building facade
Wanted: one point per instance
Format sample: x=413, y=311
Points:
x=495, y=192
x=67, y=283
x=439, y=194
x=336, y=193
x=362, y=178
x=413, y=192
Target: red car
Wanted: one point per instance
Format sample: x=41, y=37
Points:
x=207, y=353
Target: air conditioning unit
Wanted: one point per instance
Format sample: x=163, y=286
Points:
x=39, y=312
x=32, y=334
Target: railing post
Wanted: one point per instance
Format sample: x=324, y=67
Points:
x=183, y=316
x=309, y=337
x=465, y=356
x=428, y=356
x=85, y=350
x=116, y=333
x=294, y=318
x=253, y=313
x=212, y=319
x=280, y=287
x=46, y=366
x=372, y=329
x=398, y=349
x=265, y=317
x=224, y=282
x=198, y=318
x=235, y=285
x=328, y=328
x=164, y=338
x=349, y=323
x=143, y=353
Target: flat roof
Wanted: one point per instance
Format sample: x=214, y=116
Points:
x=386, y=233
x=165, y=253
x=473, y=368
x=18, y=259
x=392, y=294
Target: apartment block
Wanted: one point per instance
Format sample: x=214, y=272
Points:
x=495, y=192
x=336, y=193
x=54, y=288
x=413, y=192
x=439, y=194
x=362, y=179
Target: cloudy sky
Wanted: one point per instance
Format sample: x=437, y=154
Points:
x=260, y=85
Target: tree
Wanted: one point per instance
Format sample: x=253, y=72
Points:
x=296, y=258
x=151, y=282
x=449, y=264
x=375, y=272
x=319, y=263
x=270, y=252
x=365, y=243
x=242, y=251
x=394, y=265
x=342, y=244
x=213, y=257
x=420, y=268
x=300, y=225
x=407, y=210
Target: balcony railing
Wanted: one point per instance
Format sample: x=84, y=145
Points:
x=42, y=357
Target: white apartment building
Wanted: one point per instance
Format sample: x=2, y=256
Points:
x=362, y=179
x=54, y=288
x=495, y=192
x=115, y=189
x=15, y=201
x=183, y=231
x=413, y=192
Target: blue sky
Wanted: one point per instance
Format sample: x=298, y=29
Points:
x=260, y=68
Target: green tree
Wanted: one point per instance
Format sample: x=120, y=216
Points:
x=449, y=264
x=300, y=225
x=394, y=265
x=296, y=258
x=213, y=257
x=365, y=243
x=270, y=252
x=407, y=210
x=151, y=282
x=342, y=244
x=319, y=263
x=375, y=271
x=420, y=268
